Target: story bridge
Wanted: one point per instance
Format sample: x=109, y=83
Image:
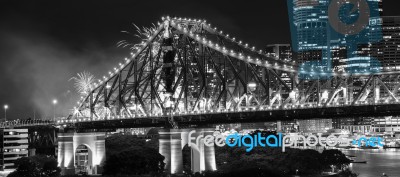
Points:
x=188, y=72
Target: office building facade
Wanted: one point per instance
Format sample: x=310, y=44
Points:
x=389, y=124
x=14, y=146
x=315, y=125
x=388, y=50
x=323, y=44
x=281, y=51
x=309, y=22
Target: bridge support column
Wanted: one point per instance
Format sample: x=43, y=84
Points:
x=173, y=141
x=209, y=154
x=202, y=156
x=66, y=154
x=171, y=149
x=68, y=143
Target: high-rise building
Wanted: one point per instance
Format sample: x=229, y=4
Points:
x=309, y=23
x=388, y=50
x=323, y=43
x=14, y=145
x=281, y=51
x=339, y=56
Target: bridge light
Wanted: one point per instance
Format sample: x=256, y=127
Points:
x=252, y=85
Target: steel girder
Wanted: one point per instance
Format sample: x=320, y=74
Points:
x=43, y=139
x=188, y=67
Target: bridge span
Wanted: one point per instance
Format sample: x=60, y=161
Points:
x=190, y=72
x=187, y=73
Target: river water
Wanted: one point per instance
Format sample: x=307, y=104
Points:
x=378, y=162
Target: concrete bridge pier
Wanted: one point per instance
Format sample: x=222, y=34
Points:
x=173, y=141
x=68, y=144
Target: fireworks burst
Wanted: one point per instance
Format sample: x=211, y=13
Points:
x=143, y=34
x=83, y=83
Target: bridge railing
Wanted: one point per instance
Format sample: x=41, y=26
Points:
x=25, y=123
x=236, y=110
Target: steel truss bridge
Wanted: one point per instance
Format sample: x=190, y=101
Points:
x=189, y=72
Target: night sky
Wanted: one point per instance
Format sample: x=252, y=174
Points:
x=45, y=43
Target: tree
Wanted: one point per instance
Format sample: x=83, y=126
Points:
x=347, y=173
x=129, y=155
x=186, y=155
x=36, y=166
x=334, y=157
x=266, y=160
x=135, y=161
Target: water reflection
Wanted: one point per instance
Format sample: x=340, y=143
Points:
x=378, y=162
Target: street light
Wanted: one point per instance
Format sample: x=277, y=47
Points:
x=5, y=112
x=54, y=109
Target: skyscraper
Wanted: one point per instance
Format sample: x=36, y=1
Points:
x=326, y=34
x=309, y=21
x=388, y=50
x=281, y=51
